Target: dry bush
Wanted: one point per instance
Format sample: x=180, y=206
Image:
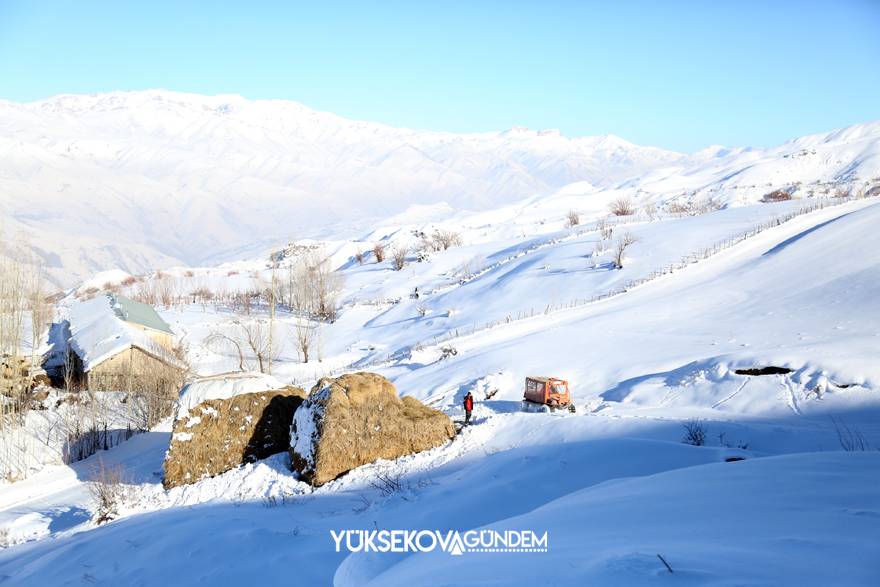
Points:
x=359, y=257
x=776, y=196
x=695, y=433
x=678, y=208
x=651, y=211
x=109, y=490
x=623, y=242
x=379, y=252
x=850, y=439
x=129, y=281
x=622, y=206
x=441, y=240
x=398, y=257
x=605, y=229
x=572, y=218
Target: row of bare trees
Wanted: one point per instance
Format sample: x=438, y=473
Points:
x=308, y=287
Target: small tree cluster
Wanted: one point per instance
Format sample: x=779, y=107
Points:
x=441, y=240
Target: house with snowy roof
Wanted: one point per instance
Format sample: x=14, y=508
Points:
x=117, y=343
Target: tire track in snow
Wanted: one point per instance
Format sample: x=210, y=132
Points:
x=732, y=395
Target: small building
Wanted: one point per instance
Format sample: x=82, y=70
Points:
x=117, y=343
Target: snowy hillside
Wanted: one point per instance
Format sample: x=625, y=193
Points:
x=142, y=180
x=777, y=492
x=166, y=177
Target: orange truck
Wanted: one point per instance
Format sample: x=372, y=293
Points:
x=546, y=394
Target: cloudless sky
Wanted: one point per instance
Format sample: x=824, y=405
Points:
x=675, y=74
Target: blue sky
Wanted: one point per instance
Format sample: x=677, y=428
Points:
x=675, y=74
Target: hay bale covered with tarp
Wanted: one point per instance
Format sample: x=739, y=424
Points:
x=223, y=422
x=357, y=419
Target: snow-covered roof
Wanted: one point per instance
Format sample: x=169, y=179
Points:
x=97, y=334
x=222, y=387
x=143, y=314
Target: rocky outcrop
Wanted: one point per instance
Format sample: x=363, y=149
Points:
x=356, y=419
x=218, y=435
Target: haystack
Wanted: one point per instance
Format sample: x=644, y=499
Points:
x=356, y=419
x=218, y=435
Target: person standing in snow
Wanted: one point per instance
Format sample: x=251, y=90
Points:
x=468, y=408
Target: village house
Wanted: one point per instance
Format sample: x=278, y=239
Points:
x=116, y=343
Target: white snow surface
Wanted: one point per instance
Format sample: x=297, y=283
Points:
x=222, y=386
x=163, y=178
x=789, y=285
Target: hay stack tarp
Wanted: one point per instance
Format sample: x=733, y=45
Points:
x=356, y=419
x=219, y=435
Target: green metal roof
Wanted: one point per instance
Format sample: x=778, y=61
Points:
x=143, y=314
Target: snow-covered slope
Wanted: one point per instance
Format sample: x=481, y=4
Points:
x=613, y=485
x=140, y=180
x=192, y=177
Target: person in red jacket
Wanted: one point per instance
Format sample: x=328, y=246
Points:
x=468, y=408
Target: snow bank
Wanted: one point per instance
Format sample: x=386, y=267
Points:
x=223, y=386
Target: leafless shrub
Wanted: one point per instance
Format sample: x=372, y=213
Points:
x=398, y=257
x=678, y=208
x=128, y=281
x=622, y=206
x=651, y=211
x=359, y=257
x=388, y=482
x=695, y=433
x=776, y=196
x=623, y=242
x=572, y=218
x=850, y=439
x=605, y=229
x=441, y=240
x=379, y=252
x=842, y=192
x=448, y=352
x=109, y=490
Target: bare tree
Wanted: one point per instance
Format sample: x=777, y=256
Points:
x=651, y=211
x=572, y=218
x=249, y=339
x=379, y=252
x=359, y=257
x=305, y=335
x=623, y=242
x=398, y=257
x=314, y=286
x=622, y=206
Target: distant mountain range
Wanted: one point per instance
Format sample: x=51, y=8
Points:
x=139, y=180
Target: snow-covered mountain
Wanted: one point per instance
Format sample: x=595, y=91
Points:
x=139, y=180
x=143, y=179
